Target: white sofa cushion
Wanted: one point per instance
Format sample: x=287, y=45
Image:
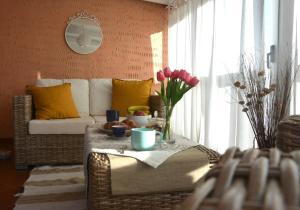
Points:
x=80, y=93
x=60, y=126
x=100, y=96
x=48, y=82
x=102, y=119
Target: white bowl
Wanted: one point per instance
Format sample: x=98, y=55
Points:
x=141, y=121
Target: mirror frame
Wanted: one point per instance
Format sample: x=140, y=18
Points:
x=81, y=42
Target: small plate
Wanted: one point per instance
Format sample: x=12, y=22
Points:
x=110, y=133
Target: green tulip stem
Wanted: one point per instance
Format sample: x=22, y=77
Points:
x=167, y=128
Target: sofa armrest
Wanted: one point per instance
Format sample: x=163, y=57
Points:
x=22, y=110
x=156, y=104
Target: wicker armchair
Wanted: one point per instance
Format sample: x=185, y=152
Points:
x=250, y=180
x=48, y=148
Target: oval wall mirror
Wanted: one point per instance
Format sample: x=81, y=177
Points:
x=83, y=33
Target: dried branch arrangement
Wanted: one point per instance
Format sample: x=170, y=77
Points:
x=264, y=97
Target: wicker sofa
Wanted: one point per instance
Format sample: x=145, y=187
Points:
x=60, y=141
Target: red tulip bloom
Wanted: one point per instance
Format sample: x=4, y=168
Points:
x=187, y=78
x=194, y=81
x=182, y=74
x=160, y=76
x=175, y=74
x=167, y=72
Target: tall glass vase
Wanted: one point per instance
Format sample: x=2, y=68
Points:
x=168, y=135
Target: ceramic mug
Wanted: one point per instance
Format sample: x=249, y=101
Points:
x=112, y=115
x=118, y=130
x=143, y=138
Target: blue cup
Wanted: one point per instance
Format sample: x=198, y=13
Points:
x=118, y=130
x=112, y=115
x=143, y=138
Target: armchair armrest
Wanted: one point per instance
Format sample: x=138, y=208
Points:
x=22, y=111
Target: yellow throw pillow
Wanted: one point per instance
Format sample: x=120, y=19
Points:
x=126, y=93
x=54, y=102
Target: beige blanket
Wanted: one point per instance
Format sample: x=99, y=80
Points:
x=179, y=173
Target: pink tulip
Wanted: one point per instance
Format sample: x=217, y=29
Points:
x=175, y=74
x=187, y=78
x=167, y=72
x=182, y=74
x=194, y=81
x=160, y=76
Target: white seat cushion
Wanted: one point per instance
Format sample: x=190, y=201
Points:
x=102, y=119
x=60, y=126
x=80, y=92
x=100, y=96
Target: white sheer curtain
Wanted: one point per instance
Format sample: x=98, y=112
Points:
x=207, y=37
x=295, y=27
x=289, y=44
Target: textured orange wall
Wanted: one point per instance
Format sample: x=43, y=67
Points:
x=32, y=40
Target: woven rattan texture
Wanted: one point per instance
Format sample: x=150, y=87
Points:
x=99, y=189
x=32, y=40
x=41, y=149
x=288, y=134
x=250, y=180
x=46, y=149
x=156, y=104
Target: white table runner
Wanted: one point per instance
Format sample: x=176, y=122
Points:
x=101, y=143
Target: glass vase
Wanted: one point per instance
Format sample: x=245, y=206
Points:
x=168, y=135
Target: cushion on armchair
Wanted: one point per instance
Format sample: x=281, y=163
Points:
x=60, y=126
x=48, y=82
x=100, y=96
x=80, y=92
x=54, y=102
x=126, y=93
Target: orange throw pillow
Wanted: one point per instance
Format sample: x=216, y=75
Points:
x=126, y=93
x=54, y=102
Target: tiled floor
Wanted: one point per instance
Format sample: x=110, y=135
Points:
x=11, y=181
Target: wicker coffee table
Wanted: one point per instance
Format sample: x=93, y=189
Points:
x=99, y=187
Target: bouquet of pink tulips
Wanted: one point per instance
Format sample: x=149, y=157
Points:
x=178, y=82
